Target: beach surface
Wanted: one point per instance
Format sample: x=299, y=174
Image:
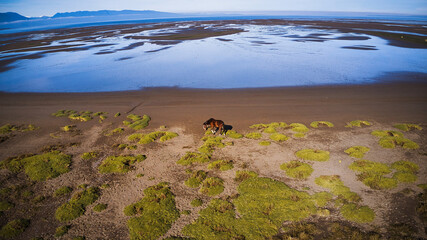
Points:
x=393, y=101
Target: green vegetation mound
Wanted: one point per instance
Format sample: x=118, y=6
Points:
x=234, y=134
x=90, y=155
x=253, y=135
x=212, y=186
x=151, y=137
x=297, y=169
x=358, y=123
x=347, y=201
x=197, y=202
x=299, y=127
x=372, y=174
x=405, y=177
x=244, y=174
x=100, y=207
x=77, y=205
x=63, y=113
x=264, y=143
x=222, y=165
x=313, y=155
x=196, y=179
x=154, y=214
x=407, y=127
x=316, y=124
x=115, y=131
x=8, y=128
x=62, y=191
x=14, y=228
x=40, y=167
x=391, y=139
x=61, y=231
x=5, y=205
x=194, y=157
x=278, y=137
x=405, y=166
x=357, y=151
x=119, y=164
x=83, y=116
x=137, y=122
x=210, y=144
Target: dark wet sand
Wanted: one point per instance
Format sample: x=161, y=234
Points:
x=388, y=102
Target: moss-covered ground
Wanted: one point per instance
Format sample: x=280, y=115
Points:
x=14, y=228
x=119, y=164
x=137, y=122
x=151, y=137
x=212, y=186
x=154, y=214
x=196, y=178
x=77, y=204
x=357, y=151
x=40, y=167
x=317, y=124
x=391, y=139
x=313, y=155
x=194, y=157
x=407, y=127
x=358, y=123
x=297, y=169
x=222, y=165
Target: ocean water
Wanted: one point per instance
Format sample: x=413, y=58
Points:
x=261, y=56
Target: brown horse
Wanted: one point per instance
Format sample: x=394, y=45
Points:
x=215, y=125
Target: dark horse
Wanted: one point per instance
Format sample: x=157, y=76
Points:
x=215, y=125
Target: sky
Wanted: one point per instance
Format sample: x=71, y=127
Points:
x=37, y=8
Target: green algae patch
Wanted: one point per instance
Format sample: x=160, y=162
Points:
x=154, y=214
x=119, y=164
x=13, y=228
x=278, y=137
x=264, y=143
x=90, y=155
x=62, y=191
x=234, y=134
x=405, y=166
x=62, y=230
x=355, y=213
x=358, y=123
x=137, y=122
x=317, y=124
x=77, y=205
x=100, y=207
x=194, y=157
x=212, y=186
x=40, y=167
x=222, y=165
x=210, y=144
x=297, y=169
x=391, y=139
x=253, y=135
x=357, y=151
x=196, y=178
x=197, y=202
x=407, y=127
x=313, y=155
x=244, y=174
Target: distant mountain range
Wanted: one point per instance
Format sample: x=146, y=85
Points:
x=12, y=16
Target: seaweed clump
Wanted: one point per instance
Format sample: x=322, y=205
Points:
x=77, y=205
x=154, y=214
x=119, y=164
x=297, y=169
x=391, y=139
x=40, y=167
